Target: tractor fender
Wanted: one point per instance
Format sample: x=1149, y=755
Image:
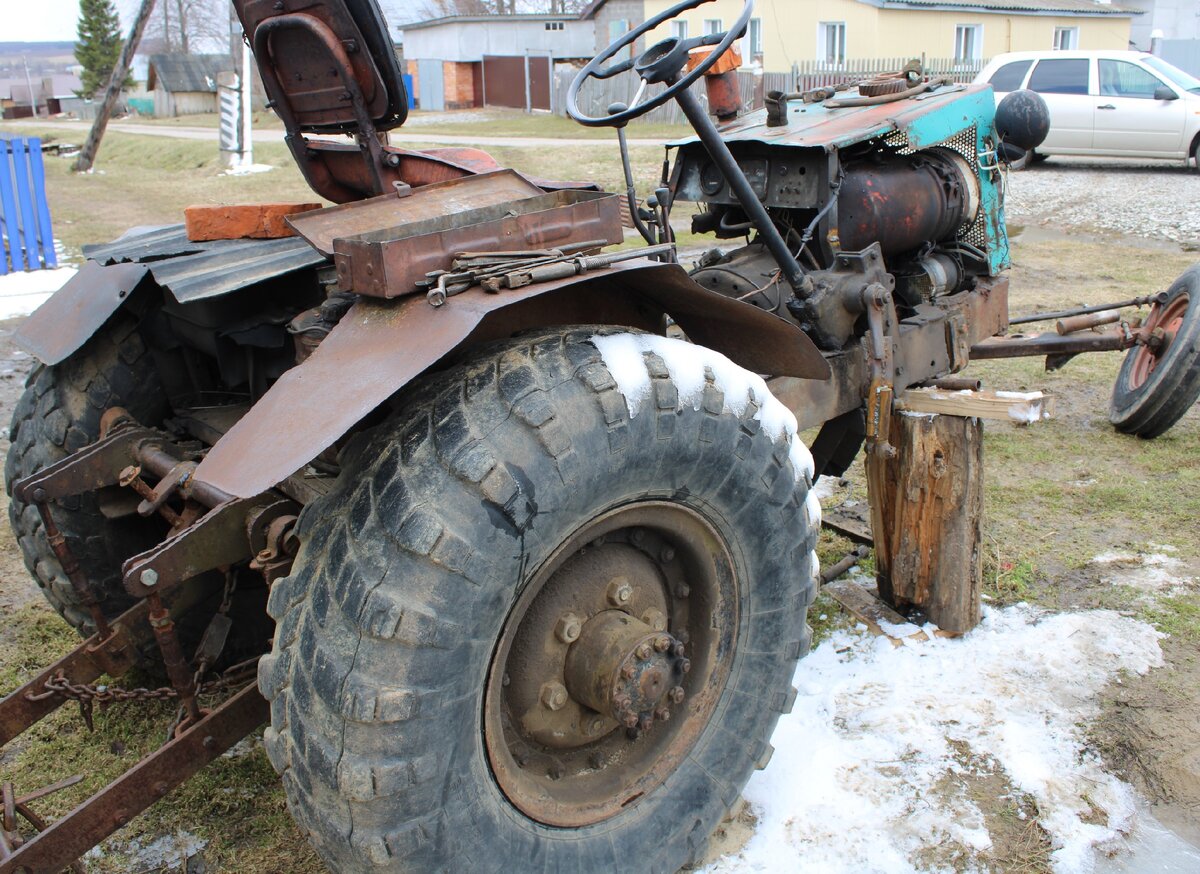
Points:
x=79, y=309
x=380, y=346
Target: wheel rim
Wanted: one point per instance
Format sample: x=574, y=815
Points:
x=611, y=664
x=1169, y=320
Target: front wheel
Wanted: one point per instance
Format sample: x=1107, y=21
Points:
x=548, y=617
x=1156, y=386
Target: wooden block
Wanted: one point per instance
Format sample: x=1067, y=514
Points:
x=880, y=619
x=259, y=221
x=849, y=524
x=1017, y=406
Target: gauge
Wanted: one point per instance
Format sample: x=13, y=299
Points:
x=711, y=180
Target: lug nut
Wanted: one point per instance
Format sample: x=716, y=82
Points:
x=655, y=619
x=505, y=680
x=637, y=535
x=646, y=722
x=568, y=628
x=667, y=553
x=643, y=651
x=623, y=703
x=556, y=771
x=595, y=725
x=677, y=649
x=676, y=694
x=685, y=665
x=627, y=672
x=663, y=714
x=620, y=593
x=683, y=590
x=629, y=719
x=596, y=761
x=662, y=644
x=554, y=695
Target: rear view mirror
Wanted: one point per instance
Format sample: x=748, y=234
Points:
x=1162, y=92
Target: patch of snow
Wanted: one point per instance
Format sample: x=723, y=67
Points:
x=858, y=782
x=1151, y=848
x=164, y=853
x=623, y=355
x=1153, y=572
x=23, y=292
x=247, y=169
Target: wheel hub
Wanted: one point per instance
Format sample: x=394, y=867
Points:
x=622, y=667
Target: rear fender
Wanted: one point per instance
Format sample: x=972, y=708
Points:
x=78, y=310
x=380, y=346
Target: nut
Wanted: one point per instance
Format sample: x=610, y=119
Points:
x=646, y=722
x=642, y=651
x=667, y=554
x=676, y=694
x=627, y=672
x=683, y=590
x=568, y=628
x=620, y=593
x=629, y=719
x=677, y=649
x=662, y=644
x=662, y=714
x=655, y=619
x=556, y=771
x=554, y=695
x=684, y=665
x=595, y=725
x=149, y=577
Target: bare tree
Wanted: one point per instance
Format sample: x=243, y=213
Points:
x=188, y=26
x=446, y=8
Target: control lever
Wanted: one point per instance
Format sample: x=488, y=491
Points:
x=630, y=189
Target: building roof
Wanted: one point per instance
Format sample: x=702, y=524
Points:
x=178, y=72
x=592, y=8
x=1027, y=7
x=485, y=19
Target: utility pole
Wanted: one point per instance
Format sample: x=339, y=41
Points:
x=29, y=85
x=84, y=162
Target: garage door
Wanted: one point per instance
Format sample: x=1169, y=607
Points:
x=430, y=85
x=518, y=81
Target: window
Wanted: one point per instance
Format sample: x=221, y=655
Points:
x=756, y=41
x=679, y=29
x=1066, y=39
x=1060, y=77
x=713, y=25
x=555, y=25
x=1010, y=76
x=831, y=42
x=968, y=42
x=1123, y=79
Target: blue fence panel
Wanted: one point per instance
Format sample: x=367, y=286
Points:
x=26, y=236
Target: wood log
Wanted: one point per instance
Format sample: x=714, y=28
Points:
x=927, y=509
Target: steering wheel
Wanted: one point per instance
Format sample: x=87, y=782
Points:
x=662, y=62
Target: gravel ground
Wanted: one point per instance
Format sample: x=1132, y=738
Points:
x=1154, y=199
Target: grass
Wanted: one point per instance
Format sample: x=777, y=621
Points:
x=1057, y=493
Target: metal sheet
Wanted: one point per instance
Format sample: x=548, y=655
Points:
x=380, y=346
x=193, y=271
x=320, y=227
x=77, y=310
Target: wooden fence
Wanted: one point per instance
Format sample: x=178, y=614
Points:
x=596, y=95
x=26, y=239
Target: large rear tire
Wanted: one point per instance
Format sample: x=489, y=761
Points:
x=1156, y=387
x=545, y=546
x=58, y=414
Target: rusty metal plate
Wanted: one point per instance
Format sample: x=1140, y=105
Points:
x=380, y=346
x=77, y=310
x=320, y=227
x=389, y=263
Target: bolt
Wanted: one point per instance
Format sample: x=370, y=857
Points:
x=667, y=554
x=623, y=703
x=209, y=742
x=684, y=665
x=596, y=761
x=646, y=722
x=629, y=719
x=683, y=590
x=554, y=695
x=522, y=759
x=627, y=672
x=149, y=577
x=505, y=680
x=568, y=628
x=620, y=593
x=655, y=619
x=676, y=694
x=596, y=725
x=643, y=651
x=662, y=644
x=677, y=649
x=161, y=788
x=663, y=714
x=682, y=636
x=637, y=535
x=556, y=771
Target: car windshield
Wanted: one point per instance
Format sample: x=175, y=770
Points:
x=1186, y=81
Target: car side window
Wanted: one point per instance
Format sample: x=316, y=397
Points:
x=1060, y=76
x=1123, y=79
x=1010, y=76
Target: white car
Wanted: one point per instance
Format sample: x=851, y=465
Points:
x=1110, y=103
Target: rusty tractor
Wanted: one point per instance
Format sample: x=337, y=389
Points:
x=514, y=578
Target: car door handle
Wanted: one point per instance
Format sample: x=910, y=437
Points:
x=1106, y=106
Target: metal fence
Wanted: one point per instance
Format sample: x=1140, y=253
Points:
x=597, y=95
x=26, y=239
